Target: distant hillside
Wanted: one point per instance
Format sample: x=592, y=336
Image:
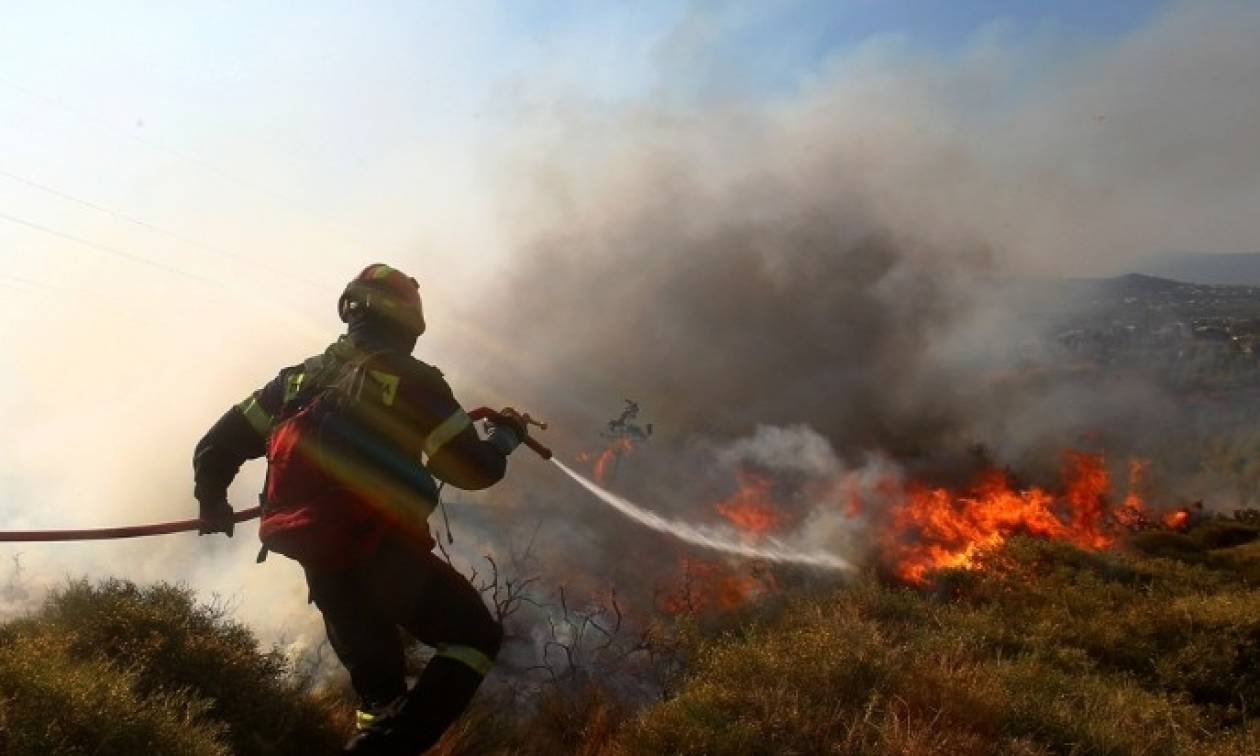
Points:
x=1241, y=268
x=1139, y=285
x=1134, y=297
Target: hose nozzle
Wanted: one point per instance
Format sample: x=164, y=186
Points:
x=485, y=413
x=527, y=419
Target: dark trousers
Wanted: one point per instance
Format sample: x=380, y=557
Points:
x=400, y=585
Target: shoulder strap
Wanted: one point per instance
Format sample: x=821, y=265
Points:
x=351, y=376
x=302, y=386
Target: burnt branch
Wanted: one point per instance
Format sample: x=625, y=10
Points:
x=506, y=595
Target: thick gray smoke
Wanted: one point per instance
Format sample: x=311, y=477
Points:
x=845, y=257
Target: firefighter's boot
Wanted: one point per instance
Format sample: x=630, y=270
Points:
x=415, y=722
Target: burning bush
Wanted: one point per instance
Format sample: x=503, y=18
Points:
x=927, y=529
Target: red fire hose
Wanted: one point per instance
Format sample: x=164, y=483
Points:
x=129, y=531
x=179, y=526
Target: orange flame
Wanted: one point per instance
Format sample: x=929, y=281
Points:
x=852, y=504
x=929, y=529
x=605, y=459
x=1177, y=519
x=706, y=586
x=619, y=447
x=750, y=508
x=1132, y=513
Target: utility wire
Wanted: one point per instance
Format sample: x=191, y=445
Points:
x=348, y=240
x=239, y=259
x=104, y=248
x=291, y=204
x=129, y=256
x=30, y=282
x=172, y=151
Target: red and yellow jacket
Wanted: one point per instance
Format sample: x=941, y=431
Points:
x=412, y=431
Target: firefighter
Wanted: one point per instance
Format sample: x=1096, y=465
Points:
x=354, y=439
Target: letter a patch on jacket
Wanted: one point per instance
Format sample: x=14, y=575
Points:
x=389, y=386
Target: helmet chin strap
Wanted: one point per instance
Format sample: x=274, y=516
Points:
x=374, y=332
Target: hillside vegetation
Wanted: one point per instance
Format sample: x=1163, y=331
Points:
x=1046, y=650
x=114, y=668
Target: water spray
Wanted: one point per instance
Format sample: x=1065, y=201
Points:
x=717, y=539
x=708, y=537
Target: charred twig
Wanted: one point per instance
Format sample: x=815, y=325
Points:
x=446, y=556
x=14, y=588
x=506, y=595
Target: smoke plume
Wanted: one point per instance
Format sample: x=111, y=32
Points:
x=855, y=258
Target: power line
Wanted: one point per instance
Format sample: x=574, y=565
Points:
x=174, y=152
x=152, y=227
x=291, y=204
x=29, y=282
x=348, y=240
x=129, y=256
x=104, y=248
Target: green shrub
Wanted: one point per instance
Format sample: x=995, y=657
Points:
x=1222, y=534
x=1165, y=545
x=155, y=646
x=51, y=703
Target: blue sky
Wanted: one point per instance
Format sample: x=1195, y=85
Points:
x=770, y=45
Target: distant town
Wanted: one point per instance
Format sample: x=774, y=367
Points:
x=1198, y=335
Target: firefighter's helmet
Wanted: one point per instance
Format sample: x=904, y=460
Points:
x=386, y=293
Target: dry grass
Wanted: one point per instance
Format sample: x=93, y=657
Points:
x=1048, y=650
x=113, y=668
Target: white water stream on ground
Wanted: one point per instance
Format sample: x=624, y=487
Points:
x=709, y=537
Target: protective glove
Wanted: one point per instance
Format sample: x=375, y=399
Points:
x=516, y=421
x=216, y=516
x=508, y=430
